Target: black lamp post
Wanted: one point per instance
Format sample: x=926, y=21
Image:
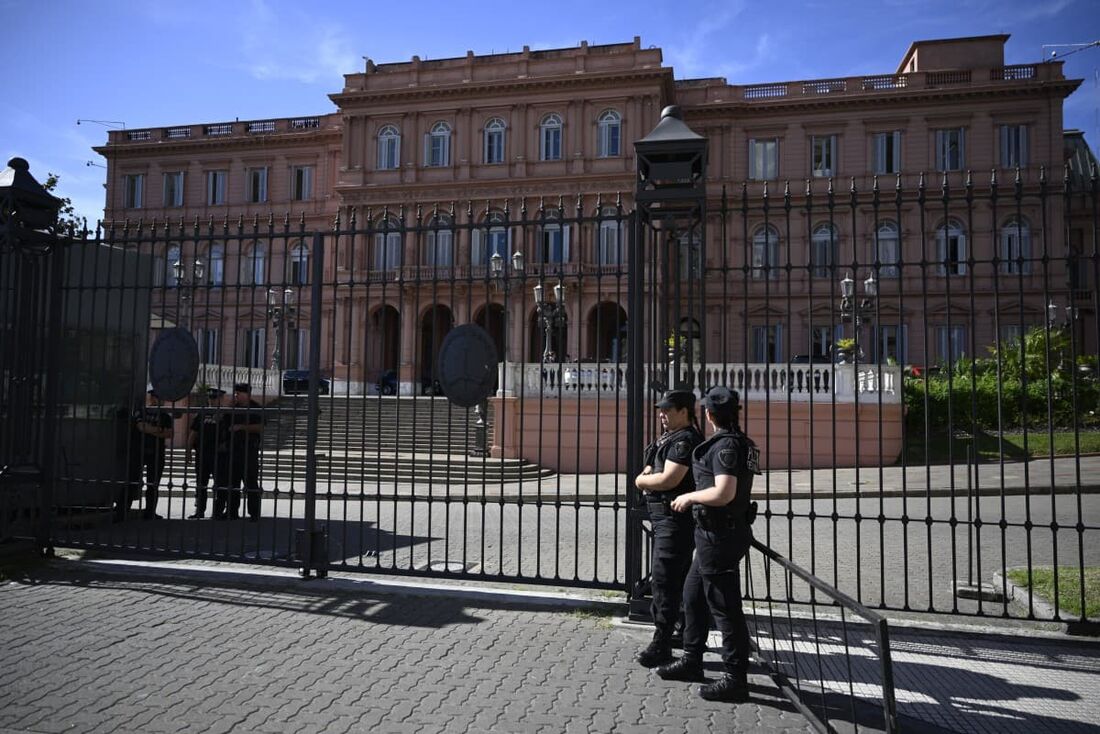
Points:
x=854, y=312
x=281, y=311
x=553, y=317
x=187, y=280
x=501, y=281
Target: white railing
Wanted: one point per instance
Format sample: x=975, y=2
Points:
x=795, y=382
x=225, y=376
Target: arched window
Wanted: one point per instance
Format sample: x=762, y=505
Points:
x=216, y=267
x=172, y=257
x=550, y=138
x=438, y=242
x=1016, y=247
x=494, y=140
x=553, y=239
x=492, y=238
x=610, y=134
x=612, y=237
x=765, y=253
x=951, y=248
x=389, y=148
x=387, y=245
x=299, y=264
x=438, y=145
x=823, y=253
x=255, y=265
x=888, y=250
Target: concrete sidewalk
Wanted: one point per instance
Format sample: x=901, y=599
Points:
x=173, y=647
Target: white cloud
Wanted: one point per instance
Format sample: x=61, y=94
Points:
x=705, y=50
x=294, y=45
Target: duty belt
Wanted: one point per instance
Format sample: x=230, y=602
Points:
x=716, y=519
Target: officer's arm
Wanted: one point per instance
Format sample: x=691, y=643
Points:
x=669, y=478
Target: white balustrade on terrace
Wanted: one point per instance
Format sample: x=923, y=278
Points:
x=225, y=376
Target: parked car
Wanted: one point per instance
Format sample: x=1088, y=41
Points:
x=387, y=383
x=296, y=382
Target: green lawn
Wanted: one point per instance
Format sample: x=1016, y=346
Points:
x=1069, y=588
x=990, y=446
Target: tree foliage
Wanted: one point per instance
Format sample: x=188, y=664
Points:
x=66, y=216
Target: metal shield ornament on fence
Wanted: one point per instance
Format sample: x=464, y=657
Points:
x=468, y=365
x=173, y=364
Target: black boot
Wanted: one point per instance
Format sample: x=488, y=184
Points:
x=657, y=653
x=683, y=669
x=730, y=687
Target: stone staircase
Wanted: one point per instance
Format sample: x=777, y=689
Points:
x=364, y=440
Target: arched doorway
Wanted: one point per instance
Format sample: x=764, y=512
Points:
x=434, y=326
x=559, y=340
x=385, y=341
x=607, y=333
x=491, y=318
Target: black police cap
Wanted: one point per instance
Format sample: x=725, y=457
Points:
x=721, y=400
x=677, y=399
x=242, y=387
x=214, y=393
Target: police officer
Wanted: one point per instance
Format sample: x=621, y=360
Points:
x=150, y=429
x=724, y=466
x=239, y=461
x=665, y=477
x=203, y=439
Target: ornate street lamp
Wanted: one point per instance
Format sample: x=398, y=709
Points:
x=552, y=316
x=501, y=281
x=854, y=312
x=187, y=280
x=281, y=311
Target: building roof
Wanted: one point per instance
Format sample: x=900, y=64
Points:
x=1080, y=160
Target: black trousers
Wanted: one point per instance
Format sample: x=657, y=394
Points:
x=152, y=466
x=673, y=544
x=204, y=474
x=713, y=585
x=234, y=472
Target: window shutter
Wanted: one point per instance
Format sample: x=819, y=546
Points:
x=962, y=148
x=566, y=229
x=1006, y=148
x=941, y=150
x=832, y=155
x=427, y=149
x=475, y=247
x=895, y=163
x=962, y=254
x=879, y=163
x=307, y=182
x=1023, y=145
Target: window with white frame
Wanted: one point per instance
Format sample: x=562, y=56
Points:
x=823, y=155
x=950, y=149
x=1016, y=247
x=216, y=265
x=612, y=239
x=550, y=138
x=765, y=253
x=823, y=250
x=610, y=134
x=553, y=240
x=215, y=187
x=763, y=159
x=255, y=265
x=209, y=342
x=888, y=250
x=296, y=353
x=299, y=264
x=439, y=242
x=254, y=348
x=437, y=145
x=494, y=141
x=886, y=152
x=891, y=343
x=133, y=190
x=1014, y=152
x=173, y=189
x=951, y=249
x=301, y=183
x=257, y=185
x=387, y=246
x=690, y=260
x=822, y=339
x=171, y=258
x=491, y=238
x=767, y=343
x=950, y=343
x=389, y=148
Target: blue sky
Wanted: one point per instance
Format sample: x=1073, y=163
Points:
x=153, y=63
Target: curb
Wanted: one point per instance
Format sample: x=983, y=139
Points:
x=1022, y=595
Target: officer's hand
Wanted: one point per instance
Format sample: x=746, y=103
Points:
x=682, y=503
x=647, y=470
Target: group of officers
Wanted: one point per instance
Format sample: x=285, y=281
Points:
x=697, y=492
x=224, y=436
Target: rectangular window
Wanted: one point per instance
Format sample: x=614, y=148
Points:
x=888, y=251
x=611, y=243
x=209, y=346
x=764, y=159
x=767, y=344
x=823, y=152
x=173, y=189
x=765, y=257
x=388, y=149
x=691, y=258
x=387, y=251
x=301, y=183
x=1013, y=146
x=257, y=185
x=950, y=343
x=950, y=149
x=1012, y=333
x=551, y=143
x=296, y=356
x=254, y=348
x=891, y=343
x=822, y=339
x=951, y=243
x=215, y=187
x=494, y=146
x=132, y=189
x=886, y=153
x=555, y=244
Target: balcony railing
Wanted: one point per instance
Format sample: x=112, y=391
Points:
x=177, y=133
x=225, y=376
x=265, y=126
x=305, y=123
x=217, y=130
x=138, y=135
x=755, y=381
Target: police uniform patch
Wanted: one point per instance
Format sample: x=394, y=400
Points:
x=754, y=459
x=681, y=448
x=727, y=458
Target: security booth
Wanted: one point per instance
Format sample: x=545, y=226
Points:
x=667, y=291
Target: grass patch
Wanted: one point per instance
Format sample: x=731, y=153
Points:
x=990, y=446
x=602, y=617
x=1069, y=587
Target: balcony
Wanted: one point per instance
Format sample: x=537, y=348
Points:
x=219, y=130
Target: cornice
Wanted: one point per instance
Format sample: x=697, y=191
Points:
x=203, y=144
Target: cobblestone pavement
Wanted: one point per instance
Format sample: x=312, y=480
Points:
x=88, y=647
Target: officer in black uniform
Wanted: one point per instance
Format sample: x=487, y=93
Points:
x=666, y=476
x=239, y=462
x=203, y=440
x=724, y=466
x=150, y=428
